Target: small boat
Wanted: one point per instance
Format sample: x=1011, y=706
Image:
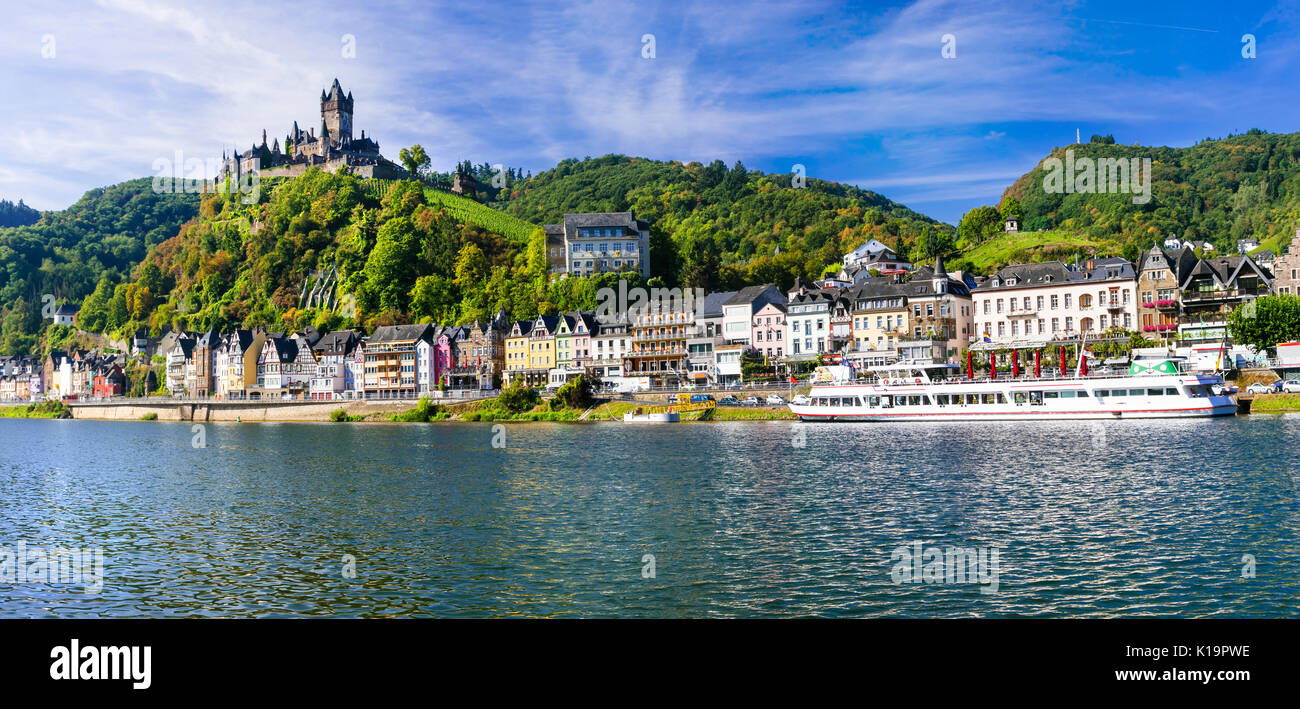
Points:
x=640, y=415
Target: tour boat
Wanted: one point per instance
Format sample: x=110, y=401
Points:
x=937, y=392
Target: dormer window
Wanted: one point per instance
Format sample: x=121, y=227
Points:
x=1011, y=281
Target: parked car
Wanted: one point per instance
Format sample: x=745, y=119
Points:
x=1291, y=386
x=800, y=400
x=774, y=400
x=1262, y=388
x=729, y=401
x=751, y=401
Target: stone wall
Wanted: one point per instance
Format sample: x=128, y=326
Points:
x=232, y=410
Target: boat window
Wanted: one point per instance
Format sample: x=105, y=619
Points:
x=1067, y=395
x=1002, y=398
x=1171, y=391
x=1051, y=394
x=1019, y=397
x=1155, y=392
x=1084, y=395
x=913, y=401
x=874, y=401
x=1035, y=397
x=990, y=398
x=1137, y=392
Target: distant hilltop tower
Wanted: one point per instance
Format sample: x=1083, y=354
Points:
x=336, y=113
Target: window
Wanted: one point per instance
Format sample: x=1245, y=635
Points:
x=1054, y=303
x=1067, y=300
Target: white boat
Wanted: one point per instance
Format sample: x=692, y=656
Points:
x=640, y=416
x=930, y=392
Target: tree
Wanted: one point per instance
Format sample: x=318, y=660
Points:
x=1266, y=321
x=978, y=224
x=414, y=159
x=1011, y=208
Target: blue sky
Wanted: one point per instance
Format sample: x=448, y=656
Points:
x=857, y=93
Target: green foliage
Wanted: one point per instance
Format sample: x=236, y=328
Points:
x=578, y=393
x=1266, y=321
x=38, y=410
x=151, y=416
x=1217, y=190
x=518, y=398
x=66, y=254
x=414, y=159
x=342, y=416
x=719, y=227
x=423, y=412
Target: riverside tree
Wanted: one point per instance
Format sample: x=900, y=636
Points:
x=1266, y=321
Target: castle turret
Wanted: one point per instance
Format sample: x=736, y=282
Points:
x=336, y=113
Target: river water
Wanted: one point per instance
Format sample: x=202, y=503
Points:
x=1118, y=518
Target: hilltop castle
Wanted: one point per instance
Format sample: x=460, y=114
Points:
x=334, y=148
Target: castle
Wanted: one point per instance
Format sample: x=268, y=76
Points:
x=333, y=149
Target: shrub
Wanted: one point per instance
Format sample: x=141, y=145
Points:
x=517, y=399
x=423, y=412
x=151, y=416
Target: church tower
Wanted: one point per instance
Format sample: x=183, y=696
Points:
x=336, y=114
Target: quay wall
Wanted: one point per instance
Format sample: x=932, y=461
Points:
x=232, y=410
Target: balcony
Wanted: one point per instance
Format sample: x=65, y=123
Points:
x=1023, y=312
x=1225, y=294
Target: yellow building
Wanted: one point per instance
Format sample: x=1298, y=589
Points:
x=516, y=344
x=541, y=343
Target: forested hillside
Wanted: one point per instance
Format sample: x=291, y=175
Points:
x=716, y=227
x=1217, y=191
x=105, y=234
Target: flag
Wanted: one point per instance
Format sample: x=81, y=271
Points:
x=987, y=338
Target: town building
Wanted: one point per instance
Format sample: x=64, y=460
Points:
x=1035, y=303
x=707, y=335
x=390, y=361
x=739, y=310
x=333, y=376
x=599, y=243
x=1212, y=289
x=1161, y=273
x=1286, y=269
x=517, y=351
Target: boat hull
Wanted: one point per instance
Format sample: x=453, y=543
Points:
x=1108, y=398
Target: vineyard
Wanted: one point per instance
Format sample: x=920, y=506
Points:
x=464, y=209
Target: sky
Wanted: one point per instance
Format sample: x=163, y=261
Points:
x=97, y=91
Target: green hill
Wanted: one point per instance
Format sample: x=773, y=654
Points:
x=63, y=254
x=1217, y=191
x=721, y=227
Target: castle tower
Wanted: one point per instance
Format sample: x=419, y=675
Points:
x=336, y=114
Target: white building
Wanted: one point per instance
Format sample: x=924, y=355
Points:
x=599, y=242
x=333, y=376
x=1036, y=302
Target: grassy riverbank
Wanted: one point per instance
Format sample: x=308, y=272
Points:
x=1275, y=404
x=43, y=410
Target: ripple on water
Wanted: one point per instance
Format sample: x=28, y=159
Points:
x=1127, y=518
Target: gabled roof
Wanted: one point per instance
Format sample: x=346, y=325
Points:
x=401, y=333
x=545, y=324
x=756, y=297
x=339, y=342
x=573, y=222
x=713, y=302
